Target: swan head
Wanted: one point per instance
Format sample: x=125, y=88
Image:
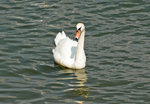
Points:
x=80, y=28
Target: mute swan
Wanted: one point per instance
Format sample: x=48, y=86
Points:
x=70, y=53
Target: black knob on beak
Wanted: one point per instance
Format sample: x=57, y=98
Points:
x=76, y=39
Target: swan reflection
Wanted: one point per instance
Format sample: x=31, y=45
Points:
x=77, y=88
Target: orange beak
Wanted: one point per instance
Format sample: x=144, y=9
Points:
x=77, y=34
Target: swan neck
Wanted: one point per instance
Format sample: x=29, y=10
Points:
x=80, y=49
x=81, y=41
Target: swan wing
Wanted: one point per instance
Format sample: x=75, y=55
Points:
x=59, y=36
x=65, y=50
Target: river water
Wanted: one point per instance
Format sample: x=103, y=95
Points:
x=117, y=46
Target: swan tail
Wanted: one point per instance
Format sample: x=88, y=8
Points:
x=60, y=36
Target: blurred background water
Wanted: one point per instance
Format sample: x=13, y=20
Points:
x=117, y=47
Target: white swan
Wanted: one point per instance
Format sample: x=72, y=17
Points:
x=70, y=53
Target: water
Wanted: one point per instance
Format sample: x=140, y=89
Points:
x=117, y=47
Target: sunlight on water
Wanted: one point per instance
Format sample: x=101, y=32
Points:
x=79, y=89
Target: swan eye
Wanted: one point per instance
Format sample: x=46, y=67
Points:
x=79, y=28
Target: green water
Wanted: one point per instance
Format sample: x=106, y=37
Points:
x=117, y=46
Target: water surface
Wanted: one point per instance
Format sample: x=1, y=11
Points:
x=117, y=46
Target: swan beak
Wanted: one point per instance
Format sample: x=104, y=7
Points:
x=78, y=33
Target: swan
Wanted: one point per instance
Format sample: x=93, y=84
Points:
x=70, y=53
